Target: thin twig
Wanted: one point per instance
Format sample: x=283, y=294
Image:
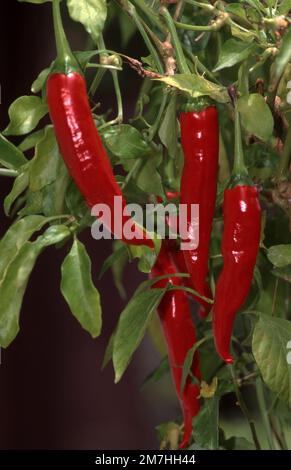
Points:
x=244, y=409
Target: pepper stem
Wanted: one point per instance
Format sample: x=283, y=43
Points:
x=66, y=61
x=181, y=61
x=239, y=167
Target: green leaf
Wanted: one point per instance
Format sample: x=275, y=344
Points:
x=147, y=257
x=54, y=235
x=168, y=131
x=283, y=273
x=10, y=156
x=54, y=194
x=25, y=114
x=31, y=140
x=12, y=289
x=112, y=259
x=282, y=58
x=236, y=9
x=91, y=13
x=109, y=351
x=118, y=269
x=79, y=291
x=127, y=29
x=280, y=255
x=270, y=339
x=45, y=164
x=16, y=236
x=205, y=425
x=132, y=326
x=125, y=142
x=147, y=177
x=40, y=81
x=20, y=265
x=252, y=106
x=33, y=204
x=197, y=86
x=189, y=360
x=247, y=36
x=19, y=185
x=233, y=52
x=238, y=443
x=261, y=160
x=284, y=7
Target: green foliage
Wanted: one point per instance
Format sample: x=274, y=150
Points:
x=243, y=45
x=78, y=289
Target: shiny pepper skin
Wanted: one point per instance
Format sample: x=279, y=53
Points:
x=180, y=335
x=240, y=245
x=81, y=145
x=200, y=143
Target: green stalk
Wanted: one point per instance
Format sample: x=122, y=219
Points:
x=286, y=157
x=155, y=126
x=194, y=27
x=244, y=409
x=130, y=9
x=204, y=6
x=181, y=61
x=154, y=19
x=119, y=118
x=96, y=81
x=7, y=172
x=65, y=61
x=239, y=168
x=264, y=413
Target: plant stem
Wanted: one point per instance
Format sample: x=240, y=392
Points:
x=224, y=170
x=9, y=173
x=264, y=412
x=275, y=296
x=65, y=57
x=244, y=409
x=97, y=80
x=286, y=156
x=119, y=118
x=148, y=12
x=181, y=61
x=154, y=128
x=205, y=6
x=131, y=11
x=239, y=167
x=134, y=168
x=194, y=27
x=279, y=437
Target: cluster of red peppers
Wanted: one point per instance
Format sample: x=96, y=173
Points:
x=90, y=168
x=240, y=245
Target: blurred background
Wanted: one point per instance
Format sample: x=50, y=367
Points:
x=53, y=394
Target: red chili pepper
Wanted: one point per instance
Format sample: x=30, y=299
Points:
x=240, y=245
x=200, y=142
x=179, y=331
x=78, y=138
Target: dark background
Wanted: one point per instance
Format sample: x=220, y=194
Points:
x=52, y=392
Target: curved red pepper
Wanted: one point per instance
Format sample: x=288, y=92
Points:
x=179, y=331
x=79, y=140
x=200, y=142
x=240, y=245
x=82, y=148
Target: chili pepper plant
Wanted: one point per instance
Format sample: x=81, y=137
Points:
x=211, y=126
